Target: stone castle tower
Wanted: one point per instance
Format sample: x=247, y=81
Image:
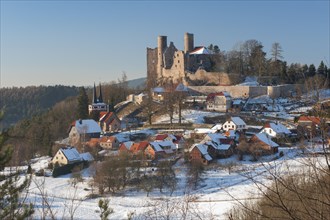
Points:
x=97, y=104
x=189, y=66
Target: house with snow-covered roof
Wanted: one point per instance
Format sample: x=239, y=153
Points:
x=235, y=123
x=263, y=144
x=66, y=155
x=154, y=151
x=83, y=130
x=199, y=153
x=275, y=130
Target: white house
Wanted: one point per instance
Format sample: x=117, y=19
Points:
x=83, y=130
x=70, y=155
x=236, y=123
x=220, y=101
x=276, y=130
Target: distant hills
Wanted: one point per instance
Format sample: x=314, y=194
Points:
x=20, y=103
x=139, y=83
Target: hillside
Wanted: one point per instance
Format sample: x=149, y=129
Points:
x=22, y=103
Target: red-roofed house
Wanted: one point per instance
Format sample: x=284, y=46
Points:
x=220, y=101
x=109, y=122
x=309, y=121
x=138, y=147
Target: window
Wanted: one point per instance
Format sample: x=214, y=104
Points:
x=56, y=158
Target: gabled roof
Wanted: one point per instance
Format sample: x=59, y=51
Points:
x=237, y=121
x=203, y=149
x=278, y=128
x=161, y=137
x=265, y=139
x=109, y=116
x=211, y=96
x=86, y=157
x=156, y=146
x=71, y=154
x=141, y=146
x=127, y=144
x=87, y=126
x=215, y=137
x=200, y=50
x=313, y=119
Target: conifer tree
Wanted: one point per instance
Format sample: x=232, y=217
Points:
x=82, y=111
x=12, y=206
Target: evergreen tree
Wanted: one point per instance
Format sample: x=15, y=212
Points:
x=82, y=111
x=216, y=49
x=311, y=70
x=321, y=69
x=11, y=205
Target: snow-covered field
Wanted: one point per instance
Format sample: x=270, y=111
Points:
x=214, y=196
x=189, y=116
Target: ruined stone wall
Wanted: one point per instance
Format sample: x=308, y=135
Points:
x=176, y=72
x=218, y=78
x=249, y=91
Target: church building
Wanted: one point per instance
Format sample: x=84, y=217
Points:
x=97, y=105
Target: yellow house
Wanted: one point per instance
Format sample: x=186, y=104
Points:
x=67, y=155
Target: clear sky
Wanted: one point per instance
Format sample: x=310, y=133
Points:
x=82, y=42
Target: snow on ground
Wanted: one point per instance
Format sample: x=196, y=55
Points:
x=215, y=195
x=189, y=116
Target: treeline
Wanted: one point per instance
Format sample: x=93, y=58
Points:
x=35, y=136
x=249, y=58
x=20, y=103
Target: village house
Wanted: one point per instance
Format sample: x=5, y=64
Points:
x=70, y=155
x=125, y=146
x=235, y=123
x=308, y=126
x=199, y=153
x=138, y=147
x=220, y=101
x=83, y=130
x=109, y=122
x=109, y=142
x=177, y=140
x=264, y=144
x=276, y=130
x=221, y=148
x=154, y=151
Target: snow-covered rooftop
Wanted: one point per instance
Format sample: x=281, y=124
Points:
x=237, y=121
x=71, y=154
x=87, y=126
x=264, y=138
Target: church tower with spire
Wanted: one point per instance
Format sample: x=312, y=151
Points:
x=97, y=104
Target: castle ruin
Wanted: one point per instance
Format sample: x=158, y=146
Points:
x=192, y=66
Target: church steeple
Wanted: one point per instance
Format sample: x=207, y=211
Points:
x=94, y=95
x=100, y=95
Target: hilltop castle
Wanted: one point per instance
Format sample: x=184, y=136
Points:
x=191, y=66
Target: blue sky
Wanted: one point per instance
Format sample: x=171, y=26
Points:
x=82, y=42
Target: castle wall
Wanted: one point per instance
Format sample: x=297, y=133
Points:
x=176, y=72
x=218, y=78
x=249, y=91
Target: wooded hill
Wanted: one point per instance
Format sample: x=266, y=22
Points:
x=20, y=103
